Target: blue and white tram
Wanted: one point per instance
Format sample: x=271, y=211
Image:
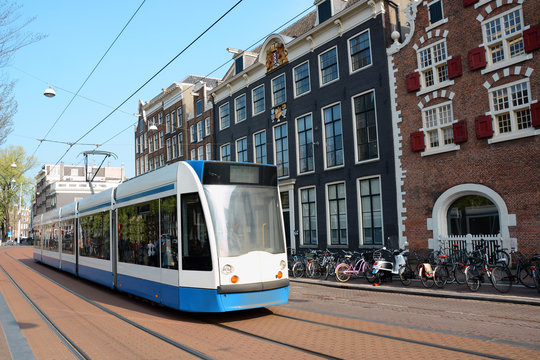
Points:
x=198, y=236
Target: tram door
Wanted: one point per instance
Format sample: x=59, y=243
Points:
x=167, y=249
x=286, y=218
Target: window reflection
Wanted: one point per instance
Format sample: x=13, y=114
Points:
x=95, y=235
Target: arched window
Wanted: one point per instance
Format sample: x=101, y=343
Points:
x=473, y=214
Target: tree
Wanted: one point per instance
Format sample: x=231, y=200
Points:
x=12, y=38
x=11, y=180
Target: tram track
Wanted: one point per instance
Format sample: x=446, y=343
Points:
x=71, y=345
x=243, y=324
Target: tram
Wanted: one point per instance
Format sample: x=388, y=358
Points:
x=198, y=236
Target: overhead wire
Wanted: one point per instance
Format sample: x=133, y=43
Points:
x=224, y=64
x=150, y=79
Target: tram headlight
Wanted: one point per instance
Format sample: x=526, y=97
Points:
x=227, y=269
x=234, y=279
x=282, y=263
x=279, y=275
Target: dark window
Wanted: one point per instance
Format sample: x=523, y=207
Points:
x=334, y=136
x=278, y=88
x=199, y=107
x=329, y=66
x=435, y=12
x=138, y=232
x=366, y=126
x=360, y=51
x=169, y=233
x=260, y=148
x=95, y=235
x=68, y=236
x=282, y=149
x=325, y=11
x=370, y=193
x=239, y=64
x=309, y=216
x=338, y=214
x=305, y=143
x=258, y=99
x=301, y=79
x=195, y=242
x=473, y=214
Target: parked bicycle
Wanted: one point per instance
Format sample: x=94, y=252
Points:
x=360, y=266
x=500, y=276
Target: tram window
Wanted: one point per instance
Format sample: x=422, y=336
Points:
x=68, y=236
x=195, y=242
x=138, y=229
x=169, y=233
x=95, y=235
x=37, y=237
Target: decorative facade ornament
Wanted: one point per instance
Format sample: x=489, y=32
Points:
x=276, y=55
x=279, y=112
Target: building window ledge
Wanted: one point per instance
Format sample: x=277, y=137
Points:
x=506, y=63
x=440, y=150
x=514, y=136
x=437, y=24
x=435, y=87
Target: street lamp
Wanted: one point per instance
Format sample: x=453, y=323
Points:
x=20, y=204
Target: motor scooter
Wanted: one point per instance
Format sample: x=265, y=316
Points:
x=388, y=263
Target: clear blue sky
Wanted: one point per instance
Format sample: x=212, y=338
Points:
x=78, y=34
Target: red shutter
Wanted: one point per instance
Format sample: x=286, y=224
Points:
x=454, y=67
x=477, y=58
x=484, y=127
x=535, y=114
x=469, y=2
x=417, y=141
x=531, y=38
x=460, y=131
x=413, y=82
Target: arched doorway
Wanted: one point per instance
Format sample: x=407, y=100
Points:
x=473, y=214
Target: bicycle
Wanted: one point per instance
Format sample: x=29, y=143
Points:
x=499, y=275
x=360, y=266
x=450, y=268
x=524, y=270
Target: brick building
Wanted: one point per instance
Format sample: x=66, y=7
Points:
x=466, y=116
x=175, y=114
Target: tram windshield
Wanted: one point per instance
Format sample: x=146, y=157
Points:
x=245, y=219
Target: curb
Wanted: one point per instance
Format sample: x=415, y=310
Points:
x=503, y=298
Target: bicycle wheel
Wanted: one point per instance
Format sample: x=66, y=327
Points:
x=503, y=256
x=525, y=276
x=459, y=273
x=311, y=270
x=405, y=275
x=440, y=275
x=472, y=279
x=330, y=269
x=501, y=278
x=536, y=277
x=298, y=269
x=340, y=273
x=425, y=278
x=368, y=272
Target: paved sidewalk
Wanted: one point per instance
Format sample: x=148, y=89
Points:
x=517, y=295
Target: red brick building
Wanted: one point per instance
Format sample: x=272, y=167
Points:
x=466, y=114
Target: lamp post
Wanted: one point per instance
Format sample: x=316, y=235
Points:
x=19, y=209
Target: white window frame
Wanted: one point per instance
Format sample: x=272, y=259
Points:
x=288, y=150
x=351, y=71
x=274, y=104
x=207, y=127
x=301, y=217
x=200, y=131
x=443, y=20
x=433, y=67
x=253, y=100
x=179, y=120
x=507, y=61
x=168, y=123
x=208, y=151
x=161, y=137
x=353, y=112
x=296, y=95
x=193, y=154
x=174, y=147
x=298, y=144
x=221, y=151
x=440, y=130
x=246, y=149
x=255, y=146
x=328, y=224
x=360, y=217
x=197, y=107
x=200, y=153
x=221, y=127
x=180, y=144
x=321, y=83
x=515, y=133
x=169, y=153
x=326, y=167
x=236, y=118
